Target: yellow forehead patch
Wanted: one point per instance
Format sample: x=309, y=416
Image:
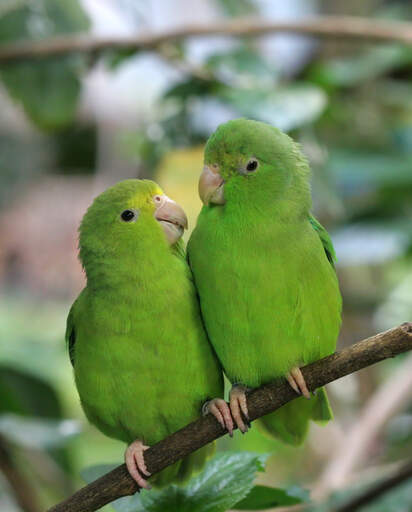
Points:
x=144, y=196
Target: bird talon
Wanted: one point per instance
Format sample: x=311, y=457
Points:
x=136, y=465
x=297, y=382
x=220, y=410
x=238, y=407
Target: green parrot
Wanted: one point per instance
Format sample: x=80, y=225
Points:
x=143, y=365
x=264, y=270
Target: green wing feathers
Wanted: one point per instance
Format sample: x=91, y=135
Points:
x=70, y=336
x=290, y=423
x=325, y=239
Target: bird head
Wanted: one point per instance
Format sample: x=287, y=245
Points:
x=250, y=162
x=132, y=215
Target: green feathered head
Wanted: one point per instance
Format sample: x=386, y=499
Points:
x=132, y=218
x=252, y=163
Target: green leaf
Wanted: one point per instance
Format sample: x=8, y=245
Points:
x=27, y=394
x=238, y=7
x=286, y=108
x=37, y=433
x=355, y=169
x=225, y=480
x=193, y=86
x=241, y=64
x=350, y=71
x=42, y=19
x=262, y=498
x=47, y=89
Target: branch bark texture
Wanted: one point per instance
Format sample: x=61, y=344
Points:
x=335, y=27
x=261, y=401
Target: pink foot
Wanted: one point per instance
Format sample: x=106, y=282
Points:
x=238, y=406
x=297, y=381
x=220, y=410
x=135, y=463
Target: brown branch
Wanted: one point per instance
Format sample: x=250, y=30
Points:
x=22, y=489
x=336, y=27
x=261, y=401
x=392, y=396
x=397, y=478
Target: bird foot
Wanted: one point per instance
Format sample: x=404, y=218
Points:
x=297, y=382
x=135, y=463
x=220, y=410
x=238, y=407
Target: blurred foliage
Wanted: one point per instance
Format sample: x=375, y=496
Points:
x=349, y=106
x=398, y=499
x=48, y=90
x=225, y=482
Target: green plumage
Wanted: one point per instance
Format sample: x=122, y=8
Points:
x=263, y=267
x=142, y=362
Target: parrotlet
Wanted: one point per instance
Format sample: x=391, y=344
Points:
x=143, y=365
x=264, y=270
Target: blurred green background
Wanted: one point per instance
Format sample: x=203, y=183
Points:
x=72, y=125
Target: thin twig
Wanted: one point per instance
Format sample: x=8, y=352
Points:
x=335, y=27
x=392, y=396
x=23, y=491
x=261, y=401
x=400, y=476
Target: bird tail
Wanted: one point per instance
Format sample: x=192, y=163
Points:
x=290, y=423
x=182, y=470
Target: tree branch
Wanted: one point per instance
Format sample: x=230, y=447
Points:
x=261, y=401
x=400, y=476
x=392, y=396
x=343, y=27
x=23, y=491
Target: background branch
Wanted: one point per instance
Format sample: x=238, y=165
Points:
x=261, y=401
x=22, y=489
x=391, y=397
x=344, y=27
x=400, y=476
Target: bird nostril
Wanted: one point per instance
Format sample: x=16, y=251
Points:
x=157, y=199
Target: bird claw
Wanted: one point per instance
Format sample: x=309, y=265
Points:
x=220, y=410
x=238, y=407
x=297, y=382
x=134, y=459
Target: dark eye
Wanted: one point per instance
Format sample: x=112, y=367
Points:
x=252, y=165
x=127, y=215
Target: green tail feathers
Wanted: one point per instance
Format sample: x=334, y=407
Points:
x=181, y=471
x=290, y=423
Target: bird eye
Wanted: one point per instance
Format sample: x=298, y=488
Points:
x=128, y=215
x=252, y=165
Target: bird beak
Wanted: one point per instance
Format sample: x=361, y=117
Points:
x=211, y=186
x=171, y=217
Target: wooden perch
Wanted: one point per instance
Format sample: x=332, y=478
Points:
x=335, y=27
x=261, y=401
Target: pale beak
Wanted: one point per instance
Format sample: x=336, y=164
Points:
x=171, y=217
x=211, y=186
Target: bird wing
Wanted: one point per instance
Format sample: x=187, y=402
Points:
x=325, y=239
x=71, y=333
